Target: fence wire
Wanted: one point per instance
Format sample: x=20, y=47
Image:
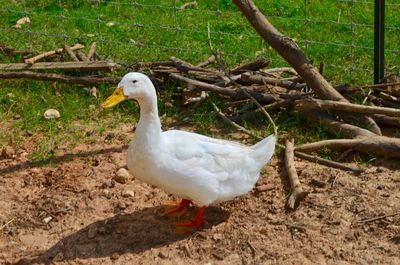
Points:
x=338, y=33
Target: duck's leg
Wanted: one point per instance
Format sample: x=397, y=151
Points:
x=179, y=209
x=198, y=220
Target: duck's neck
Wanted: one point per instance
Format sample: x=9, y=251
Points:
x=148, y=130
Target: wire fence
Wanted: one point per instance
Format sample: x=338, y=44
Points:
x=337, y=33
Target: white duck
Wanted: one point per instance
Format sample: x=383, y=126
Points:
x=197, y=168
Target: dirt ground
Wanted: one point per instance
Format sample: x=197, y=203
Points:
x=72, y=212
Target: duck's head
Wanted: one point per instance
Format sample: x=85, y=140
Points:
x=132, y=86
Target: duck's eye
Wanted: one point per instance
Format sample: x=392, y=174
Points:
x=134, y=81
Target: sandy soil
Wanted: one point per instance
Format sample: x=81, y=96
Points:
x=72, y=212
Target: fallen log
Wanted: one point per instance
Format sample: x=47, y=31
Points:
x=84, y=80
x=51, y=53
x=79, y=66
x=289, y=50
x=307, y=104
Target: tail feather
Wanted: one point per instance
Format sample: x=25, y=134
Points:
x=264, y=149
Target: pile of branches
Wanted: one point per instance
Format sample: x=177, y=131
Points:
x=68, y=59
x=301, y=87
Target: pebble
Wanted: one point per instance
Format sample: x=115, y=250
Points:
x=51, y=114
x=162, y=254
x=128, y=194
x=47, y=219
x=121, y=176
x=7, y=152
x=121, y=205
x=115, y=256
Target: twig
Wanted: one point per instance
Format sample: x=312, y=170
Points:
x=326, y=162
x=84, y=80
x=297, y=191
x=364, y=221
x=81, y=56
x=259, y=79
x=217, y=58
x=234, y=124
x=251, y=66
x=208, y=61
x=70, y=53
x=11, y=51
x=9, y=222
x=92, y=50
x=306, y=104
x=80, y=66
x=51, y=53
x=269, y=107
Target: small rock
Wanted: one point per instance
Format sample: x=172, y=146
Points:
x=110, y=24
x=47, y=219
x=51, y=114
x=17, y=117
x=162, y=254
x=168, y=104
x=121, y=176
x=8, y=152
x=92, y=232
x=128, y=194
x=115, y=256
x=265, y=187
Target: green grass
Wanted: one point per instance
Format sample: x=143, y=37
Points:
x=155, y=30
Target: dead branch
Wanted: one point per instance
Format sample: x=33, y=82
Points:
x=86, y=80
x=251, y=66
x=259, y=79
x=207, y=62
x=288, y=70
x=269, y=107
x=347, y=130
x=81, y=56
x=307, y=104
x=326, y=162
x=372, y=145
x=51, y=53
x=70, y=53
x=11, y=51
x=233, y=94
x=289, y=50
x=91, y=51
x=79, y=66
x=377, y=218
x=387, y=96
x=297, y=191
x=383, y=102
x=237, y=126
x=385, y=120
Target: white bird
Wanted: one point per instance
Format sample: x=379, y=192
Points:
x=197, y=168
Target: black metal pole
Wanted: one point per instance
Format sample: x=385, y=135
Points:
x=379, y=41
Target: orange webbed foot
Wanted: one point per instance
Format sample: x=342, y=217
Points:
x=178, y=210
x=190, y=227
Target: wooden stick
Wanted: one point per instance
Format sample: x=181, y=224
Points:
x=81, y=56
x=9, y=222
x=386, y=120
x=297, y=191
x=289, y=70
x=80, y=66
x=333, y=144
x=387, y=96
x=307, y=104
x=207, y=62
x=237, y=126
x=233, y=94
x=11, y=51
x=92, y=50
x=70, y=53
x=85, y=80
x=291, y=52
x=381, y=101
x=51, y=53
x=327, y=162
x=269, y=107
x=250, y=66
x=364, y=221
x=259, y=79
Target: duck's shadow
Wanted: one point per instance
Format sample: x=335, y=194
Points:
x=129, y=233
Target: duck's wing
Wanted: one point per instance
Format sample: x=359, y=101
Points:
x=206, y=155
